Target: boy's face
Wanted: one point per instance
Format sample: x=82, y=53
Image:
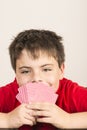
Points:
x=43, y=69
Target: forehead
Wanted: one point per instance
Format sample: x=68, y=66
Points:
x=36, y=54
x=42, y=58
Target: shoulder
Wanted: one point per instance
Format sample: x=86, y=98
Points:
x=7, y=96
x=69, y=84
x=73, y=95
x=65, y=84
x=8, y=92
x=13, y=86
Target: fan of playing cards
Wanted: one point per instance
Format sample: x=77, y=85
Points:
x=36, y=92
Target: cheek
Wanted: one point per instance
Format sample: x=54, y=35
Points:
x=21, y=80
x=53, y=81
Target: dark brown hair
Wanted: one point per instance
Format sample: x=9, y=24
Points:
x=36, y=41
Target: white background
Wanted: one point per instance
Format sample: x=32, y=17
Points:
x=67, y=18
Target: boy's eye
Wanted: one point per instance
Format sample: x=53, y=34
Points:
x=47, y=69
x=25, y=72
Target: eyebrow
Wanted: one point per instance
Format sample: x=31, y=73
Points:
x=22, y=67
x=26, y=67
x=47, y=65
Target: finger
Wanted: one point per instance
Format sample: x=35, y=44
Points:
x=41, y=113
x=29, y=118
x=44, y=119
x=30, y=112
x=29, y=122
x=30, y=115
x=39, y=106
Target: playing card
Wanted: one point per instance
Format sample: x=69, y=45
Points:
x=36, y=92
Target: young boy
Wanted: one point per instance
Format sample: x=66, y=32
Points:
x=38, y=56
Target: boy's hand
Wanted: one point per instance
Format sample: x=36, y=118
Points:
x=50, y=113
x=20, y=116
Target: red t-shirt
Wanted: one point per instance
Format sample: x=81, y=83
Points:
x=71, y=98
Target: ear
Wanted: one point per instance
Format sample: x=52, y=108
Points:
x=62, y=71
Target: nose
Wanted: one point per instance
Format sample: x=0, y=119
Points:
x=36, y=77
